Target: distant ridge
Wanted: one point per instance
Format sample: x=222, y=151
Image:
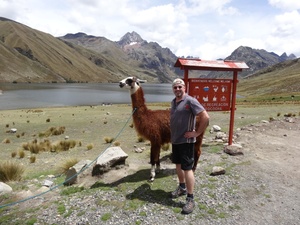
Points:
x=32, y=56
x=256, y=59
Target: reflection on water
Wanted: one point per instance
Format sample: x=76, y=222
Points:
x=24, y=96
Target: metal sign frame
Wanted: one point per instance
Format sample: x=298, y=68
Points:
x=217, y=65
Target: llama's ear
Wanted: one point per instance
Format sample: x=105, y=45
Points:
x=141, y=81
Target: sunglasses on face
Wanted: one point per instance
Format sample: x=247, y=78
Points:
x=177, y=87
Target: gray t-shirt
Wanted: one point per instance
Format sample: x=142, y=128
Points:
x=183, y=118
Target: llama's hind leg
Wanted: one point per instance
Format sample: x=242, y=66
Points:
x=154, y=160
x=197, y=150
x=152, y=173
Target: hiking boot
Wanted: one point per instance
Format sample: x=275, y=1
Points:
x=189, y=206
x=178, y=192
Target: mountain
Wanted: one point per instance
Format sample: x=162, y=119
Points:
x=281, y=79
x=142, y=57
x=256, y=59
x=29, y=55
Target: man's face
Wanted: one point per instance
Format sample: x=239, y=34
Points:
x=178, y=90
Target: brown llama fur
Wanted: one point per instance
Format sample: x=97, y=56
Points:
x=153, y=125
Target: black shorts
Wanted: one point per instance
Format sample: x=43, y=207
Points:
x=183, y=154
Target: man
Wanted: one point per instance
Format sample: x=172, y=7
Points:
x=184, y=110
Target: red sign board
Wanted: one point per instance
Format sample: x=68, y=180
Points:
x=213, y=94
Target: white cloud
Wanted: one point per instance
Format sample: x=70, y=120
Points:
x=285, y=4
x=207, y=29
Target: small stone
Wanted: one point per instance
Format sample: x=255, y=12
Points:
x=217, y=170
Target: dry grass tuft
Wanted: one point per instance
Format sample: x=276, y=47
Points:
x=6, y=141
x=32, y=159
x=21, y=154
x=140, y=139
x=11, y=171
x=90, y=146
x=46, y=146
x=117, y=143
x=53, y=131
x=66, y=165
x=108, y=139
x=165, y=147
x=35, y=147
x=64, y=145
x=13, y=154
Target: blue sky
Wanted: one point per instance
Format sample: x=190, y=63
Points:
x=208, y=29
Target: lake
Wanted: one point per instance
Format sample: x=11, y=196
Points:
x=26, y=96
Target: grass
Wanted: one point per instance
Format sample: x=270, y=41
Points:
x=71, y=190
x=133, y=186
x=106, y=216
x=11, y=171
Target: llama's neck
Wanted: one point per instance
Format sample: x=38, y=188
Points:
x=138, y=99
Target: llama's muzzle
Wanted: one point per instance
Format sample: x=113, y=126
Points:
x=121, y=84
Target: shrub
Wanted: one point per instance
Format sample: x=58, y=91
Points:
x=64, y=145
x=288, y=114
x=53, y=131
x=6, y=141
x=117, y=143
x=140, y=139
x=108, y=139
x=35, y=147
x=66, y=165
x=90, y=146
x=13, y=154
x=21, y=154
x=72, y=143
x=48, y=120
x=11, y=171
x=165, y=147
x=32, y=159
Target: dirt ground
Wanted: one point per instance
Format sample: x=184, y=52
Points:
x=274, y=153
x=270, y=181
x=269, y=184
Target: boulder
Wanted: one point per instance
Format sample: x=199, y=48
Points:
x=112, y=157
x=233, y=150
x=71, y=175
x=4, y=188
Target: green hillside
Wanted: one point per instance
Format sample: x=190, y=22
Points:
x=282, y=79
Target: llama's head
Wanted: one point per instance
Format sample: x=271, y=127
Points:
x=131, y=82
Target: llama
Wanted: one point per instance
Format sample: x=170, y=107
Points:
x=153, y=125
